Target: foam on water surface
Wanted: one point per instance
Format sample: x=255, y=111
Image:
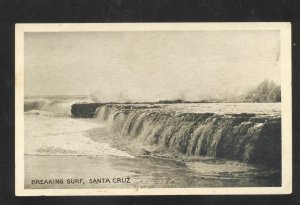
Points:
x=46, y=135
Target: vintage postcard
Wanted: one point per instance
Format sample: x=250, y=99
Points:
x=153, y=109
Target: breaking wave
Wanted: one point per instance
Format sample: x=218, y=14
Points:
x=47, y=107
x=249, y=138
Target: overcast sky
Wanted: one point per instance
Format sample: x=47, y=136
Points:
x=150, y=66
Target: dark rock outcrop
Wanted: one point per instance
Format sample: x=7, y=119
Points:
x=84, y=110
x=245, y=137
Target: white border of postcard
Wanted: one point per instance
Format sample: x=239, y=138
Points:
x=286, y=106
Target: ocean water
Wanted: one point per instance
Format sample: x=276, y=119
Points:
x=87, y=154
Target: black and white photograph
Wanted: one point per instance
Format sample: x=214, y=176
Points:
x=153, y=108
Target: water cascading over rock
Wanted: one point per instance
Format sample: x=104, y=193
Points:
x=249, y=138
